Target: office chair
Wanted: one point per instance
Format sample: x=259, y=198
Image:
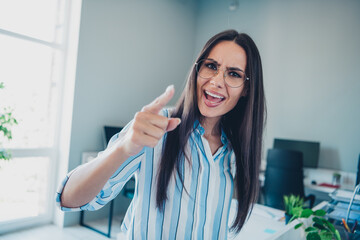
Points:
x=284, y=176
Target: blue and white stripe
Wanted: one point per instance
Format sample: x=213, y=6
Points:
x=199, y=209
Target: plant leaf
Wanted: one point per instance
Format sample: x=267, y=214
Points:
x=318, y=221
x=306, y=213
x=297, y=211
x=298, y=225
x=320, y=213
x=319, y=226
x=311, y=229
x=337, y=235
x=329, y=225
x=5, y=155
x=313, y=236
x=326, y=236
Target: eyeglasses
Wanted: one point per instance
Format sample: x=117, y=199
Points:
x=208, y=68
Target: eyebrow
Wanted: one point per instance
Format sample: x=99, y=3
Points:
x=229, y=68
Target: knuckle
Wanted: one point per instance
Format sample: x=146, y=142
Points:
x=135, y=137
x=157, y=134
x=145, y=108
x=137, y=114
x=135, y=125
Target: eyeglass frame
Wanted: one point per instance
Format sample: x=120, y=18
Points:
x=217, y=72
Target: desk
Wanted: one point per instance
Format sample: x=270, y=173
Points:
x=321, y=193
x=321, y=175
x=264, y=224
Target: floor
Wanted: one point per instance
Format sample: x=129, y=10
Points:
x=69, y=233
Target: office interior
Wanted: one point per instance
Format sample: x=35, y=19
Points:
x=130, y=51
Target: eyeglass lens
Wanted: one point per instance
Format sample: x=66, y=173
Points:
x=207, y=68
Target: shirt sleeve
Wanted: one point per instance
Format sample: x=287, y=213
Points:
x=112, y=187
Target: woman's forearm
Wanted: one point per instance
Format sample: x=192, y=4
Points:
x=88, y=180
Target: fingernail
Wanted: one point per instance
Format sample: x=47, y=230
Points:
x=179, y=121
x=169, y=88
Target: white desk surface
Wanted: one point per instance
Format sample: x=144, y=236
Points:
x=318, y=188
x=263, y=222
x=267, y=223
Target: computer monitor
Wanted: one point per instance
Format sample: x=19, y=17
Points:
x=309, y=149
x=110, y=131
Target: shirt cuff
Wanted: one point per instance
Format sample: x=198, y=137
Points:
x=59, y=192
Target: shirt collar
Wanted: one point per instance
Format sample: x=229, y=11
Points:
x=200, y=130
x=223, y=137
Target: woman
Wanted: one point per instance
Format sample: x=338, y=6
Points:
x=185, y=161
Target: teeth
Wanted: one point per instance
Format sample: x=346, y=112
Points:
x=213, y=95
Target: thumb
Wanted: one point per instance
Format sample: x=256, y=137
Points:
x=172, y=124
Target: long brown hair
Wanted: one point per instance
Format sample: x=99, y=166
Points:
x=243, y=126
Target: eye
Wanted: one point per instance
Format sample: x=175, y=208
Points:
x=236, y=74
x=211, y=66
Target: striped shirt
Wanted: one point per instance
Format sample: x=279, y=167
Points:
x=197, y=209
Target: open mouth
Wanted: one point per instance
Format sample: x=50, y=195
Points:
x=214, y=98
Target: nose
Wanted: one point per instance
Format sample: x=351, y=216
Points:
x=219, y=79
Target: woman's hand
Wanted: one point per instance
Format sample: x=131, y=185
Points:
x=148, y=126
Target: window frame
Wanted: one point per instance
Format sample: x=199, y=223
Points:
x=58, y=154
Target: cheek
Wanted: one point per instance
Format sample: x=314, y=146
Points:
x=235, y=95
x=199, y=83
x=234, y=102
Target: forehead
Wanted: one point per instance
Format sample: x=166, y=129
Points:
x=230, y=54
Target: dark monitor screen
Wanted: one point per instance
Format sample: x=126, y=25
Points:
x=110, y=131
x=309, y=149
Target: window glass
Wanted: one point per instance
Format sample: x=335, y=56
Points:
x=35, y=18
x=23, y=187
x=27, y=72
x=33, y=54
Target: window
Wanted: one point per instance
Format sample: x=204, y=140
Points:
x=34, y=47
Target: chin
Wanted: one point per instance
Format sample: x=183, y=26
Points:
x=209, y=113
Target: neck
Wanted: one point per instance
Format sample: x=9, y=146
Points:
x=211, y=126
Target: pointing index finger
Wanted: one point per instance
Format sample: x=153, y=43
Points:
x=161, y=101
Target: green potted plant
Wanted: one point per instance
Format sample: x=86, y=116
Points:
x=6, y=122
x=292, y=203
x=319, y=228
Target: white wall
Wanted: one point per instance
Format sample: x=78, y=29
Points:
x=129, y=52
x=311, y=59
